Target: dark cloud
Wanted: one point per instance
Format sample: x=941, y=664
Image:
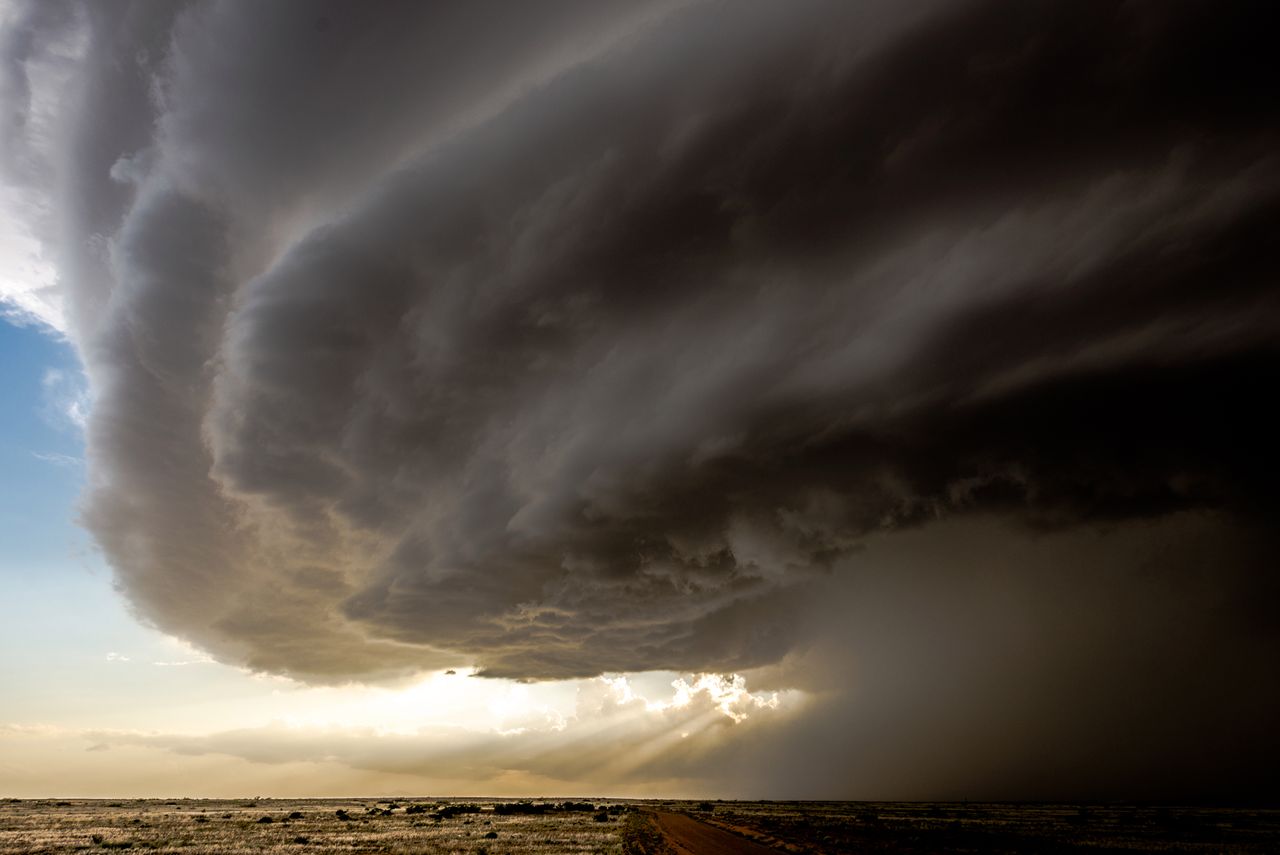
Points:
x=561, y=339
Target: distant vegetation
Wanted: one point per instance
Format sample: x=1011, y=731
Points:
x=538, y=808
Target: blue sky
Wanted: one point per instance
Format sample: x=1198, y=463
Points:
x=41, y=451
x=63, y=609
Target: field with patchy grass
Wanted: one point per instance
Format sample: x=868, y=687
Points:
x=508, y=827
x=196, y=827
x=913, y=827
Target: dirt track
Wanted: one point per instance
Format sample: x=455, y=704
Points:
x=690, y=837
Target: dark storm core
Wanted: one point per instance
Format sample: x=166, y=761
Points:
x=918, y=358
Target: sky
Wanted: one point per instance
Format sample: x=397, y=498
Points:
x=679, y=398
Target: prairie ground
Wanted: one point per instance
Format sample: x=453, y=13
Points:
x=316, y=827
x=506, y=827
x=914, y=827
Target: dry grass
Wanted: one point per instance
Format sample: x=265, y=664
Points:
x=197, y=827
x=913, y=827
x=641, y=836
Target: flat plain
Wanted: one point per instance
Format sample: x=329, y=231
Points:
x=614, y=827
x=915, y=827
x=320, y=826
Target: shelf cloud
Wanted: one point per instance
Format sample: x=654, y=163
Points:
x=563, y=339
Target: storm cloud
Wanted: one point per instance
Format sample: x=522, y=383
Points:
x=570, y=338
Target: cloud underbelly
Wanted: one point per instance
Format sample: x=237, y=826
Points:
x=610, y=374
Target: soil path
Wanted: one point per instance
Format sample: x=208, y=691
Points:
x=690, y=837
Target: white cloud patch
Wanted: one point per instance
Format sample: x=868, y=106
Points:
x=58, y=459
x=65, y=399
x=42, y=48
x=29, y=291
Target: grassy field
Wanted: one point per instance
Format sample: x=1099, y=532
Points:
x=503, y=827
x=912, y=827
x=196, y=827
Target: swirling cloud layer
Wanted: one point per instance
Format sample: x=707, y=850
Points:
x=570, y=338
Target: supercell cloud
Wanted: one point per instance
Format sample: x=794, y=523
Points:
x=569, y=338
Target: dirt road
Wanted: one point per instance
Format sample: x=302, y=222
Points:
x=690, y=837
